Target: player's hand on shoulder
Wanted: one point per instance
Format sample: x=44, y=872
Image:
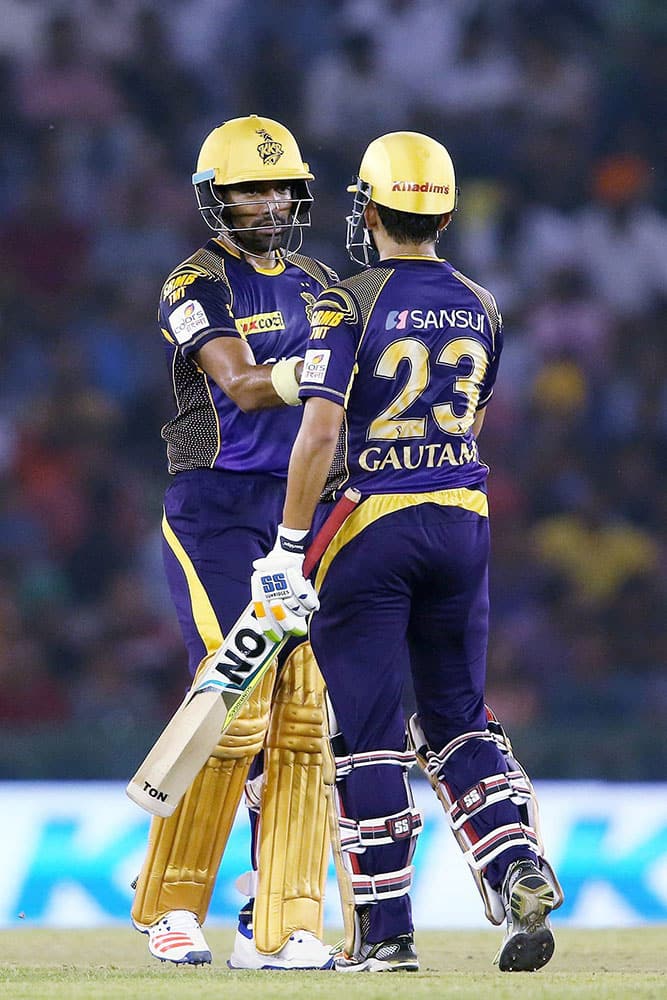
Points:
x=281, y=595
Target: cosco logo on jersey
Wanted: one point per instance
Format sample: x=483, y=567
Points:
x=431, y=319
x=260, y=323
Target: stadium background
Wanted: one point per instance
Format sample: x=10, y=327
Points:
x=555, y=115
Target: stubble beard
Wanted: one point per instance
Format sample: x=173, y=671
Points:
x=258, y=242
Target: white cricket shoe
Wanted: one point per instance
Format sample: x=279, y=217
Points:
x=177, y=938
x=302, y=951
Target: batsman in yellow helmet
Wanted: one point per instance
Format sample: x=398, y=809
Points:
x=234, y=321
x=260, y=156
x=402, y=360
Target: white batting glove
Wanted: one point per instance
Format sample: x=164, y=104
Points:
x=282, y=597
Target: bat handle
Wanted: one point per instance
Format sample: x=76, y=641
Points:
x=342, y=508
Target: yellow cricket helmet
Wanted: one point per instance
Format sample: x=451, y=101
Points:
x=243, y=150
x=405, y=171
x=250, y=149
x=409, y=172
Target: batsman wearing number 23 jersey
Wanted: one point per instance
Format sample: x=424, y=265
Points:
x=421, y=370
x=403, y=357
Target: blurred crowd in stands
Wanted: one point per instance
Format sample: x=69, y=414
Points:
x=556, y=117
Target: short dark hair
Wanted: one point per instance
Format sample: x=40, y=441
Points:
x=409, y=227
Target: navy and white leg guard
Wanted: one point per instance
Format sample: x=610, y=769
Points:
x=490, y=804
x=373, y=854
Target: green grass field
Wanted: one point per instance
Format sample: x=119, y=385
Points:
x=114, y=963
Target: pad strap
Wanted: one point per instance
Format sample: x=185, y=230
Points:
x=373, y=758
x=253, y=793
x=513, y=785
x=434, y=762
x=373, y=888
x=494, y=843
x=357, y=835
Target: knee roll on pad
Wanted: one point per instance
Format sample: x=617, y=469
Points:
x=293, y=834
x=510, y=785
x=185, y=850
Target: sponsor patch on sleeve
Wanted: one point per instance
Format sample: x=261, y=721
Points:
x=315, y=366
x=188, y=319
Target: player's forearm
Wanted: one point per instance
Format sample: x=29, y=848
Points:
x=253, y=389
x=311, y=460
x=231, y=365
x=309, y=466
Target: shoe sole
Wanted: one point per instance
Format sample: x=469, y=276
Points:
x=532, y=945
x=280, y=968
x=192, y=958
x=532, y=899
x=527, y=952
x=377, y=965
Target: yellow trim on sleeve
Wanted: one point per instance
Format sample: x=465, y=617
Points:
x=203, y=615
x=379, y=505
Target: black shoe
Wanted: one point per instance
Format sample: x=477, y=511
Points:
x=529, y=898
x=396, y=954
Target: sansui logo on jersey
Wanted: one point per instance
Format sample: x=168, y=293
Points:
x=431, y=319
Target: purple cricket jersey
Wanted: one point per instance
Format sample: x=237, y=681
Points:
x=410, y=347
x=215, y=293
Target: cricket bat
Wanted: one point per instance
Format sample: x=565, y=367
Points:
x=219, y=692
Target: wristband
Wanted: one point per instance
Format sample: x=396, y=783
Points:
x=291, y=540
x=284, y=380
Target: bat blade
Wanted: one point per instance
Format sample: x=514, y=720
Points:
x=219, y=691
x=180, y=752
x=221, y=688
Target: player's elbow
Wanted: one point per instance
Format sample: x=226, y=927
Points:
x=322, y=439
x=321, y=422
x=245, y=401
x=242, y=394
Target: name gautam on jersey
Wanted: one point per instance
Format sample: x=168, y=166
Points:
x=426, y=456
